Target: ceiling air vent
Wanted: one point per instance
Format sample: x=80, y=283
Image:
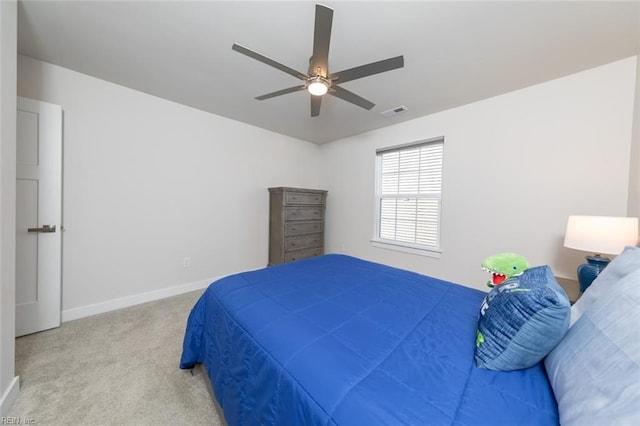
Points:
x=394, y=111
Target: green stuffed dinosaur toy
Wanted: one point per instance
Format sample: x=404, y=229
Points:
x=504, y=266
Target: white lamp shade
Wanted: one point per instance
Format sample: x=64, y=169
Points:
x=601, y=234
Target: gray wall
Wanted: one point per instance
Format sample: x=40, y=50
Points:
x=8, y=37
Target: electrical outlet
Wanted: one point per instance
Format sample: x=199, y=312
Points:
x=186, y=262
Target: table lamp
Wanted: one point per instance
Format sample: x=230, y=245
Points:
x=599, y=234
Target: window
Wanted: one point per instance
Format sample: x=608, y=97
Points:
x=408, y=196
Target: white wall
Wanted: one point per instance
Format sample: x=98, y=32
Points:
x=634, y=175
x=8, y=38
x=148, y=182
x=515, y=166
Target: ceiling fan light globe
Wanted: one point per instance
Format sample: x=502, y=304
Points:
x=317, y=88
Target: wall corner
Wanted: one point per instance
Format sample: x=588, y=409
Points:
x=633, y=206
x=8, y=86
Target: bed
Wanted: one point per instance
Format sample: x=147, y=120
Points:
x=340, y=340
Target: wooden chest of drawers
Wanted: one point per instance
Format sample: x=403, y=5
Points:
x=296, y=224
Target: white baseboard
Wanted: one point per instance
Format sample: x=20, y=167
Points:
x=9, y=397
x=136, y=299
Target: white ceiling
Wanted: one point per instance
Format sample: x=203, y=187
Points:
x=455, y=52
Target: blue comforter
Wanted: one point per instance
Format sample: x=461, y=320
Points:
x=339, y=340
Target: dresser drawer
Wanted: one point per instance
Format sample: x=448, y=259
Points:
x=302, y=254
x=303, y=213
x=304, y=242
x=301, y=228
x=303, y=198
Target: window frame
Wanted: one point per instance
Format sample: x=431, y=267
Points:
x=403, y=246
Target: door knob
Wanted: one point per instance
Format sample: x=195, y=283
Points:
x=45, y=228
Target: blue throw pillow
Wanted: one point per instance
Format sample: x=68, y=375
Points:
x=521, y=321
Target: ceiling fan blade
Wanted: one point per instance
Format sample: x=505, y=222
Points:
x=257, y=56
x=280, y=92
x=316, y=101
x=321, y=40
x=368, y=69
x=348, y=96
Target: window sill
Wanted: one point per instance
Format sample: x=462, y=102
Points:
x=435, y=253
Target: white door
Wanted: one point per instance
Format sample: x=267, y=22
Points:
x=38, y=216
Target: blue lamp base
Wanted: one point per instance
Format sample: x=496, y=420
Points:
x=588, y=272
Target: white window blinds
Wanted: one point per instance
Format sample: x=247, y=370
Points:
x=409, y=186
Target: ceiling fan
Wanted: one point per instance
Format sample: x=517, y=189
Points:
x=318, y=81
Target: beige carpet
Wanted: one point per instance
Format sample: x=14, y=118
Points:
x=113, y=369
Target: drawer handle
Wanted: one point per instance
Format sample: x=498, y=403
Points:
x=293, y=228
x=293, y=198
x=293, y=244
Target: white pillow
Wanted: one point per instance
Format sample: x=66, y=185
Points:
x=595, y=369
x=624, y=264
